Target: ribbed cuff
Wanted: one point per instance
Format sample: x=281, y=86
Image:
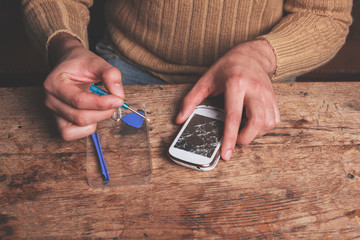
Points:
x=84, y=43
x=303, y=42
x=44, y=19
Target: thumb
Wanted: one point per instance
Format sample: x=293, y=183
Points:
x=111, y=78
x=201, y=90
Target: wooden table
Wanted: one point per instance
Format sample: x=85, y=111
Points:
x=301, y=180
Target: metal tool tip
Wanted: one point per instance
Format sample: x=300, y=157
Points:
x=139, y=114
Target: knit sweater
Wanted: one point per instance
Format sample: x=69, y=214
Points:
x=179, y=40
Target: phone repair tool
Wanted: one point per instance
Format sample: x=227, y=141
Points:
x=100, y=91
x=104, y=170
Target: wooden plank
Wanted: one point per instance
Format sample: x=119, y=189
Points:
x=298, y=181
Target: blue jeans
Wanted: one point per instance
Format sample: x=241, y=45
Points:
x=130, y=75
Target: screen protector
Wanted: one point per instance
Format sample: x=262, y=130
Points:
x=126, y=151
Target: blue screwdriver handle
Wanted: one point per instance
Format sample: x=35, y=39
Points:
x=99, y=91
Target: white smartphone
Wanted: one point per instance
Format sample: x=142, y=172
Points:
x=198, y=143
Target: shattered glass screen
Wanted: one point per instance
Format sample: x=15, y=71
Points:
x=201, y=135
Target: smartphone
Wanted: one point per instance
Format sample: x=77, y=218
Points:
x=198, y=143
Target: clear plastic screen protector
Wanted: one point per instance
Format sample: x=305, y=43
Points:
x=126, y=151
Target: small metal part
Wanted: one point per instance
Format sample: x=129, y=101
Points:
x=117, y=115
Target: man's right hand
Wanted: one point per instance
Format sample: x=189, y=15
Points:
x=75, y=68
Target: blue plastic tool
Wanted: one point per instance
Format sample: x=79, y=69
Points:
x=100, y=91
x=133, y=120
x=104, y=170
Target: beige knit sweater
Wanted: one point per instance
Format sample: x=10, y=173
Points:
x=179, y=39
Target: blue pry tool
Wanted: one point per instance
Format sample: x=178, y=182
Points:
x=104, y=170
x=100, y=91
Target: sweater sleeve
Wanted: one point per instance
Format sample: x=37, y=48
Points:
x=309, y=35
x=43, y=19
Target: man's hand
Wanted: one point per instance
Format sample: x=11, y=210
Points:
x=77, y=111
x=243, y=75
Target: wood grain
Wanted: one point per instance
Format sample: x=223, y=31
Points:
x=300, y=180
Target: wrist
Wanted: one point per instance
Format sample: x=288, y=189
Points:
x=60, y=46
x=265, y=55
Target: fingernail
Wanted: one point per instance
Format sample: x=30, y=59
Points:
x=118, y=90
x=117, y=103
x=227, y=155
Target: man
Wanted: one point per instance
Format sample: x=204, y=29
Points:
x=226, y=46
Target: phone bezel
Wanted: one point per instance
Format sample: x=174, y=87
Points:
x=197, y=167
x=191, y=158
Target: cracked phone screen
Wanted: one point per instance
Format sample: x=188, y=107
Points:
x=201, y=135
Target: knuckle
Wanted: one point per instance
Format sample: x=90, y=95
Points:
x=269, y=124
x=80, y=119
x=236, y=80
x=112, y=73
x=255, y=86
x=77, y=101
